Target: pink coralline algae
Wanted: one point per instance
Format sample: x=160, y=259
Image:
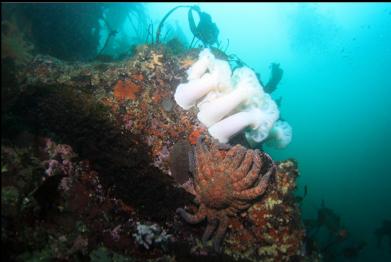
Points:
x=60, y=156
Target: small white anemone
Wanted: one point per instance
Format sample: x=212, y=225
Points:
x=246, y=92
x=205, y=61
x=280, y=135
x=267, y=118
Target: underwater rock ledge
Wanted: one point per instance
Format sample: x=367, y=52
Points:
x=122, y=119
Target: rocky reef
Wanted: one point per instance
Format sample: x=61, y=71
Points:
x=97, y=157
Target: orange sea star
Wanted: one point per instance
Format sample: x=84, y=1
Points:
x=224, y=184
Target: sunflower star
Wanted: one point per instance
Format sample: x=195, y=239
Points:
x=225, y=184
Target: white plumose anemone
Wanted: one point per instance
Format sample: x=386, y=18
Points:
x=246, y=91
x=245, y=77
x=259, y=122
x=230, y=126
x=205, y=61
x=269, y=116
x=218, y=79
x=280, y=135
x=187, y=94
x=230, y=104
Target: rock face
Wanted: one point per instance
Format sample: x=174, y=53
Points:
x=138, y=96
x=272, y=227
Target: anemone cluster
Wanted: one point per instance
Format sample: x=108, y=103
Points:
x=230, y=102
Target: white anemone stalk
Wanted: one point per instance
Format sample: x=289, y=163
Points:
x=247, y=91
x=205, y=61
x=232, y=125
x=219, y=79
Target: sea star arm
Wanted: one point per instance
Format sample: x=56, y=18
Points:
x=242, y=170
x=236, y=160
x=201, y=161
x=220, y=233
x=212, y=224
x=201, y=153
x=236, y=152
x=238, y=205
x=251, y=176
x=255, y=192
x=192, y=219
